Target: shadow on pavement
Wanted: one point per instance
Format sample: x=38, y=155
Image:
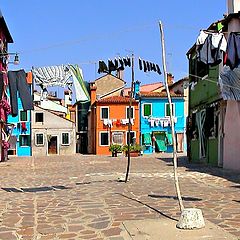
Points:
x=191, y=199
x=233, y=176
x=146, y=205
x=36, y=189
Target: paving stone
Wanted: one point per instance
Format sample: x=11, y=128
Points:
x=112, y=231
x=96, y=204
x=67, y=235
x=99, y=225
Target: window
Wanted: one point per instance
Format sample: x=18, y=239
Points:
x=104, y=112
x=104, y=139
x=127, y=112
x=167, y=109
x=39, y=140
x=24, y=140
x=65, y=139
x=132, y=137
x=147, y=109
x=39, y=117
x=197, y=68
x=117, y=138
x=23, y=116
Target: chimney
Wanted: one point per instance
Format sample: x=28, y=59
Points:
x=233, y=6
x=67, y=98
x=170, y=79
x=119, y=73
x=234, y=23
x=136, y=89
x=93, y=93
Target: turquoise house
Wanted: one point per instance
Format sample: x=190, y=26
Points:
x=20, y=140
x=156, y=135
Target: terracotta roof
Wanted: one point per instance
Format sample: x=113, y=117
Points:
x=146, y=87
x=3, y=26
x=115, y=99
x=158, y=94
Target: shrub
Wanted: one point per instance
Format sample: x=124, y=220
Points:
x=115, y=148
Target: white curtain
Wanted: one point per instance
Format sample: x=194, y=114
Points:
x=200, y=119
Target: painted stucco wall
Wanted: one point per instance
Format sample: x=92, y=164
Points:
x=17, y=131
x=231, y=153
x=52, y=125
x=158, y=111
x=116, y=111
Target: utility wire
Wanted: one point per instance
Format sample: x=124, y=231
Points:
x=108, y=36
x=212, y=81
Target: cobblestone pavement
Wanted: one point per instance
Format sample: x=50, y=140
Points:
x=79, y=197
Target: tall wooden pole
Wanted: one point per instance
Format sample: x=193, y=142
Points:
x=129, y=120
x=172, y=121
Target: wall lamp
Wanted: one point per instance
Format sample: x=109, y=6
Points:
x=16, y=57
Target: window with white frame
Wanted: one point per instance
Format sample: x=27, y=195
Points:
x=39, y=139
x=131, y=112
x=24, y=140
x=132, y=137
x=167, y=109
x=65, y=139
x=39, y=117
x=104, y=112
x=104, y=139
x=23, y=116
x=117, y=138
x=147, y=109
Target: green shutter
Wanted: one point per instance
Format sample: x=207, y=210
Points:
x=167, y=109
x=147, y=110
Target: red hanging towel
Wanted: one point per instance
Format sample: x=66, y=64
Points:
x=118, y=122
x=24, y=128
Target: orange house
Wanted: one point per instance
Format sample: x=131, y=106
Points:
x=108, y=121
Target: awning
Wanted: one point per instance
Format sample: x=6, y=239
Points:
x=147, y=139
x=161, y=141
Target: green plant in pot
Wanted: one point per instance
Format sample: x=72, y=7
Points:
x=136, y=148
x=114, y=149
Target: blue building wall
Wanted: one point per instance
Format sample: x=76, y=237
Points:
x=158, y=111
x=18, y=131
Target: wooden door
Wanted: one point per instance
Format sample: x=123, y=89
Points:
x=52, y=145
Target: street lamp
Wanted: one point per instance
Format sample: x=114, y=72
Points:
x=16, y=57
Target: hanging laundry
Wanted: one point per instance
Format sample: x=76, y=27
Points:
x=127, y=62
x=121, y=67
x=140, y=63
x=23, y=127
x=209, y=47
x=118, y=123
x=52, y=76
x=148, y=66
x=1, y=85
x=81, y=91
x=102, y=67
x=144, y=66
x=18, y=84
x=233, y=50
x=116, y=63
x=111, y=66
x=165, y=123
x=229, y=82
x=158, y=69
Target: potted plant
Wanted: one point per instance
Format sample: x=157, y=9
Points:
x=135, y=150
x=114, y=149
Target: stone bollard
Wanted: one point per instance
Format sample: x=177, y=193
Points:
x=191, y=218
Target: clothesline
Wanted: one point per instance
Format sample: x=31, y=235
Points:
x=98, y=37
x=209, y=80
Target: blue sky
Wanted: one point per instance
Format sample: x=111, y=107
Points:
x=52, y=32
